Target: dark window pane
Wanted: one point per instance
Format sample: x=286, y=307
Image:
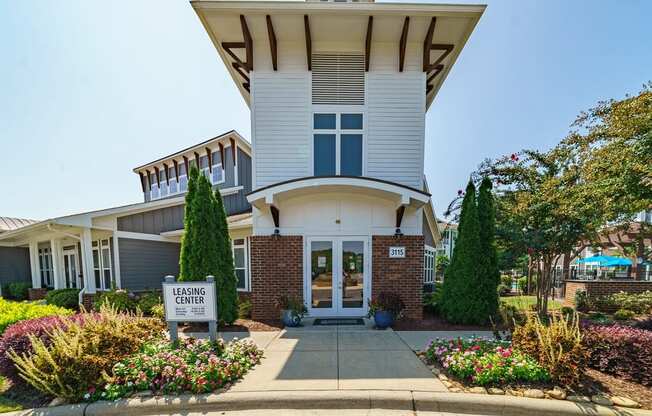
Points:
x=351, y=156
x=324, y=121
x=324, y=154
x=351, y=121
x=203, y=162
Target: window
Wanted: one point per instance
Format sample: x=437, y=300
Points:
x=338, y=144
x=428, y=265
x=183, y=178
x=102, y=264
x=164, y=185
x=173, y=181
x=45, y=267
x=241, y=263
x=218, y=170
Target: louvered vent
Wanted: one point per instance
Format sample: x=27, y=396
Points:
x=338, y=79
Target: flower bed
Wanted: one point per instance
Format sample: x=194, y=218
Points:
x=484, y=362
x=621, y=351
x=196, y=366
x=11, y=312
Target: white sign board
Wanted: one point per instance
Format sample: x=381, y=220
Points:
x=190, y=301
x=397, y=252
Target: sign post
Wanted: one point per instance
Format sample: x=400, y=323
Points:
x=190, y=302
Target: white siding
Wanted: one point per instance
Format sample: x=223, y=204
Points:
x=282, y=116
x=280, y=104
x=396, y=117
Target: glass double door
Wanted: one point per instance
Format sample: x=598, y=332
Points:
x=338, y=282
x=71, y=268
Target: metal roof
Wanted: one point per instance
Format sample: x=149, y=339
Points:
x=10, y=224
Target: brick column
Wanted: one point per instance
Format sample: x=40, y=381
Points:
x=36, y=293
x=276, y=269
x=403, y=276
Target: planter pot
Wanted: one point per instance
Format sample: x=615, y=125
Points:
x=383, y=319
x=290, y=318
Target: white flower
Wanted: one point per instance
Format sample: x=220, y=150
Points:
x=87, y=396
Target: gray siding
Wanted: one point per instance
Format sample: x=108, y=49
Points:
x=144, y=264
x=153, y=222
x=427, y=234
x=244, y=170
x=14, y=265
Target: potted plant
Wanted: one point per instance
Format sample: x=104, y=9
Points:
x=385, y=309
x=292, y=310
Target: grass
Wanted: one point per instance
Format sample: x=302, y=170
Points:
x=6, y=405
x=527, y=302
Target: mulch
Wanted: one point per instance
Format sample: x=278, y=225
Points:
x=618, y=387
x=240, y=325
x=434, y=323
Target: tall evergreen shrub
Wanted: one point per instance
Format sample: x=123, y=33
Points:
x=462, y=299
x=206, y=246
x=226, y=279
x=488, y=273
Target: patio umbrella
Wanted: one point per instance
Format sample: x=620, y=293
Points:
x=606, y=261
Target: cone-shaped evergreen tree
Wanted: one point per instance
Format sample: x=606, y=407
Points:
x=488, y=259
x=226, y=279
x=186, y=262
x=462, y=302
x=199, y=257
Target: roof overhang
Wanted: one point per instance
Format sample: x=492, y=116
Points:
x=212, y=144
x=333, y=23
x=403, y=195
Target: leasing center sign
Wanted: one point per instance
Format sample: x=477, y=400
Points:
x=190, y=301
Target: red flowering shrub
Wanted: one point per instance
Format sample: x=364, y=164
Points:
x=16, y=337
x=622, y=351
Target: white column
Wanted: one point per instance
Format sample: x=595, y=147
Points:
x=57, y=271
x=33, y=261
x=116, y=262
x=87, y=260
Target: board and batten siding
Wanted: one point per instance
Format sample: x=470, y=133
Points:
x=144, y=263
x=14, y=265
x=282, y=111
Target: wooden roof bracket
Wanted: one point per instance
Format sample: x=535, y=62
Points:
x=367, y=47
x=272, y=42
x=403, y=44
x=239, y=65
x=435, y=68
x=306, y=25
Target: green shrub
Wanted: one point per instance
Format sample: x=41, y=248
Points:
x=432, y=300
x=503, y=290
x=567, y=311
x=522, y=284
x=78, y=357
x=66, y=298
x=117, y=298
x=582, y=301
x=11, y=312
x=16, y=290
x=510, y=315
x=506, y=280
x=639, y=303
x=624, y=315
x=557, y=346
x=149, y=300
x=158, y=311
x=244, y=309
x=599, y=318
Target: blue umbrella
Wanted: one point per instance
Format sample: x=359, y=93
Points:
x=606, y=261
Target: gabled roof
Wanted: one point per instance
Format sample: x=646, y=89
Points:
x=10, y=223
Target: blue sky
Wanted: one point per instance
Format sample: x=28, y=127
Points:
x=90, y=89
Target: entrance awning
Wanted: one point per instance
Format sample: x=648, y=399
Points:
x=606, y=261
x=404, y=195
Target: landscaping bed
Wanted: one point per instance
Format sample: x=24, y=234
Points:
x=239, y=325
x=558, y=359
x=110, y=354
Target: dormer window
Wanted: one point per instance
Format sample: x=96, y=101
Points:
x=337, y=144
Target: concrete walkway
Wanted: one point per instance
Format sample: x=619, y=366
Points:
x=336, y=358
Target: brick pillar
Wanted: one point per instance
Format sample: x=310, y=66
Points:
x=87, y=301
x=36, y=293
x=403, y=276
x=276, y=269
